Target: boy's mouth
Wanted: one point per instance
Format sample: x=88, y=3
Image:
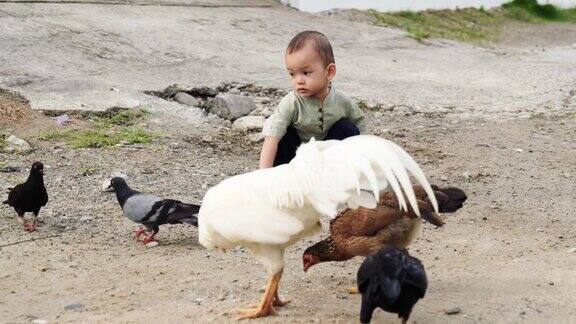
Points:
x=301, y=90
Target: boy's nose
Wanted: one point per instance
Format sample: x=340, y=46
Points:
x=299, y=80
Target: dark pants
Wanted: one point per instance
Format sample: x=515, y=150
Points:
x=290, y=142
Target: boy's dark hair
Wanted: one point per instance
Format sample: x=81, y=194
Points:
x=319, y=41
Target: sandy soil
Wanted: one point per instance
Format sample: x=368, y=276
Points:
x=507, y=256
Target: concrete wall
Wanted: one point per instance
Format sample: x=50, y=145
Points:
x=398, y=5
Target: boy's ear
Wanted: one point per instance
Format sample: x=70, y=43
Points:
x=331, y=71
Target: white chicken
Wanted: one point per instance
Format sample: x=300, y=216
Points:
x=271, y=209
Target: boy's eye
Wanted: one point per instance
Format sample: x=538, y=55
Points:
x=291, y=74
x=307, y=72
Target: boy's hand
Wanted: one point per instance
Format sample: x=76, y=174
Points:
x=268, y=152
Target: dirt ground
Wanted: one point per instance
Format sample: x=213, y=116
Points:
x=508, y=256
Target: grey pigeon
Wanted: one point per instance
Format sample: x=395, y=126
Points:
x=29, y=196
x=152, y=211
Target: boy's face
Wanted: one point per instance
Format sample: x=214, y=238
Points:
x=308, y=74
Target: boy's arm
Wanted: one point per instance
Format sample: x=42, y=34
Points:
x=356, y=116
x=274, y=129
x=268, y=153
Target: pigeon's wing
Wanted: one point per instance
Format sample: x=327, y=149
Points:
x=142, y=208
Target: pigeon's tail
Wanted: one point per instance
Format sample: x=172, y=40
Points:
x=194, y=209
x=191, y=220
x=185, y=214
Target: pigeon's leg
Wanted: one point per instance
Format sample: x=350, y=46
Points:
x=21, y=219
x=266, y=306
x=139, y=232
x=32, y=226
x=150, y=238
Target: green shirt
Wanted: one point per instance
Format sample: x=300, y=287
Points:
x=310, y=117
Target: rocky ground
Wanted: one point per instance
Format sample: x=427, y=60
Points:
x=507, y=256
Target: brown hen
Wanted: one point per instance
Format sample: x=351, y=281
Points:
x=362, y=231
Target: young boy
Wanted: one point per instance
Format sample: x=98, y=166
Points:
x=314, y=108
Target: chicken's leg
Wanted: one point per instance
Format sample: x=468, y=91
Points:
x=32, y=226
x=266, y=306
x=277, y=301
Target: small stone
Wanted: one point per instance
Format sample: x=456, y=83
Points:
x=523, y=313
x=207, y=139
x=75, y=306
x=519, y=150
x=551, y=283
x=572, y=250
x=16, y=144
x=152, y=244
x=198, y=301
x=444, y=178
x=466, y=175
x=86, y=219
x=539, y=230
x=249, y=123
x=40, y=321
x=342, y=296
x=452, y=310
x=186, y=99
x=106, y=186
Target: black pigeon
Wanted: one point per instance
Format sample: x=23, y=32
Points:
x=152, y=211
x=392, y=280
x=29, y=196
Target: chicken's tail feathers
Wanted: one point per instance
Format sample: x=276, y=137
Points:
x=354, y=171
x=450, y=199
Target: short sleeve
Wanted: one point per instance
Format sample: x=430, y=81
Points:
x=282, y=117
x=356, y=116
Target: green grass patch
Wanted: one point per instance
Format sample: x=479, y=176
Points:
x=119, y=117
x=99, y=138
x=470, y=24
x=110, y=128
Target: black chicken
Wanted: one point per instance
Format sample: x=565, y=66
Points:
x=392, y=280
x=29, y=196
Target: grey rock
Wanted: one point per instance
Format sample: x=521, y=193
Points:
x=186, y=99
x=249, y=123
x=16, y=144
x=230, y=106
x=452, y=310
x=75, y=306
